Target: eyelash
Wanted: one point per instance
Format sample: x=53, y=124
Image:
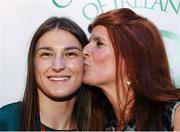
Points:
x=70, y=54
x=99, y=43
x=45, y=54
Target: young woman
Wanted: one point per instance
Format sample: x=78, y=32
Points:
x=54, y=98
x=126, y=59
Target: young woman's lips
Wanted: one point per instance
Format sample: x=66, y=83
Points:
x=59, y=79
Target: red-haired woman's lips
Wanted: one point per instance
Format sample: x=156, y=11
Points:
x=86, y=65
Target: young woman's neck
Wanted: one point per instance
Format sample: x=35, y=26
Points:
x=56, y=115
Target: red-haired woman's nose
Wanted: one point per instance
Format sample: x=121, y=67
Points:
x=86, y=51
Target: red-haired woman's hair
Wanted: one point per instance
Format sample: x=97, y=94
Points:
x=137, y=42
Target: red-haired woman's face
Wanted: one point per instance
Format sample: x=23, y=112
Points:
x=99, y=63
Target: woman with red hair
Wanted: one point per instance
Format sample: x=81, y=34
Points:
x=126, y=59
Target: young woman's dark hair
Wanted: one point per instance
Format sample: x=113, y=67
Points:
x=137, y=42
x=84, y=113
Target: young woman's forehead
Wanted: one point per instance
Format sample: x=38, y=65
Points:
x=58, y=38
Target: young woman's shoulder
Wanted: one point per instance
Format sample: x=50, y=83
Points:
x=11, y=107
x=10, y=116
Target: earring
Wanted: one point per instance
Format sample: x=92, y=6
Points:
x=128, y=83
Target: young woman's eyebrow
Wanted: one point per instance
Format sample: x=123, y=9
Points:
x=66, y=48
x=43, y=48
x=73, y=48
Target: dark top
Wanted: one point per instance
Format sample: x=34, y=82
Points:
x=10, y=118
x=167, y=119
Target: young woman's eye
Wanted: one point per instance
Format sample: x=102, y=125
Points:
x=45, y=54
x=71, y=54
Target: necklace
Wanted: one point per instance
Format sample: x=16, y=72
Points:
x=43, y=129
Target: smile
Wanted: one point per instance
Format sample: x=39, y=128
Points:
x=59, y=79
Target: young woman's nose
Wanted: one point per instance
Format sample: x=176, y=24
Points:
x=58, y=64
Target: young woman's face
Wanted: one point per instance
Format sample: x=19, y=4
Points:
x=58, y=64
x=99, y=63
